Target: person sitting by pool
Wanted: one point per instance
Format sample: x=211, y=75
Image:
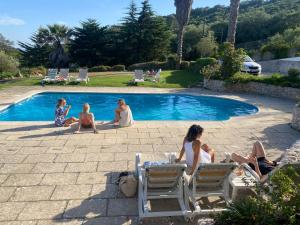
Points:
x=123, y=114
x=86, y=119
x=195, y=151
x=257, y=160
x=61, y=113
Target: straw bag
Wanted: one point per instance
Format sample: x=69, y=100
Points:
x=128, y=185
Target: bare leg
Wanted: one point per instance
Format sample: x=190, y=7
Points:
x=239, y=159
x=94, y=126
x=117, y=115
x=69, y=121
x=209, y=150
x=258, y=150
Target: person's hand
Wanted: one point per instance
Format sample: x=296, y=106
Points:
x=69, y=106
x=177, y=160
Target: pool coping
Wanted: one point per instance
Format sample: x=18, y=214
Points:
x=112, y=90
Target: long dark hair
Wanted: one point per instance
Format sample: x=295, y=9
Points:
x=194, y=132
x=59, y=101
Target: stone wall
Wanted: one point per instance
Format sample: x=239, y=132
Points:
x=280, y=65
x=296, y=118
x=254, y=87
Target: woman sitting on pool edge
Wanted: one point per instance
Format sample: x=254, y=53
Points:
x=86, y=119
x=123, y=115
x=194, y=150
x=61, y=113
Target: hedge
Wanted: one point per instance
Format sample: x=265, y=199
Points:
x=118, y=68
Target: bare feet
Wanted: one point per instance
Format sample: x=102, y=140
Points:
x=96, y=132
x=77, y=132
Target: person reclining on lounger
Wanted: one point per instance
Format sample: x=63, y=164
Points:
x=61, y=113
x=257, y=160
x=123, y=115
x=86, y=119
x=194, y=150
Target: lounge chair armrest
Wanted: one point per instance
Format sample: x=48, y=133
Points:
x=250, y=170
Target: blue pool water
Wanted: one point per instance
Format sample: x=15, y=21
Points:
x=40, y=107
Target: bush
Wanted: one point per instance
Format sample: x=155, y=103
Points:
x=6, y=75
x=118, y=68
x=8, y=64
x=294, y=73
x=211, y=71
x=184, y=65
x=154, y=65
x=197, y=66
x=232, y=60
x=277, y=206
x=100, y=68
x=171, y=62
x=36, y=71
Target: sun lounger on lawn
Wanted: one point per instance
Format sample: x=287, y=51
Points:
x=51, y=76
x=164, y=181
x=139, y=76
x=83, y=75
x=64, y=75
x=209, y=179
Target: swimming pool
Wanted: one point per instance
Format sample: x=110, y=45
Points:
x=40, y=107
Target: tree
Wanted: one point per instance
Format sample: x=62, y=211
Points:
x=51, y=40
x=183, y=10
x=234, y=11
x=88, y=47
x=153, y=35
x=5, y=45
x=130, y=35
x=207, y=46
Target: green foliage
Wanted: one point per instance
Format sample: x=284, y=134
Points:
x=88, y=46
x=100, y=68
x=118, y=68
x=8, y=64
x=275, y=79
x=153, y=65
x=212, y=71
x=279, y=205
x=7, y=75
x=184, y=65
x=294, y=73
x=197, y=66
x=232, y=60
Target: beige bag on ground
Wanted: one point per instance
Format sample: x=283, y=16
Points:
x=128, y=185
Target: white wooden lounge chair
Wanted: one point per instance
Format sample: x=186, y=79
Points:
x=157, y=76
x=209, y=179
x=51, y=76
x=138, y=76
x=83, y=75
x=163, y=181
x=64, y=75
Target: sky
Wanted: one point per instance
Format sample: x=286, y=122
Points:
x=19, y=19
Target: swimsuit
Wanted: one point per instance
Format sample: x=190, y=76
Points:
x=59, y=117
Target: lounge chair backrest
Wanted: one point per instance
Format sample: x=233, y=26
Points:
x=52, y=73
x=83, y=73
x=64, y=73
x=213, y=174
x=164, y=176
x=139, y=74
x=157, y=75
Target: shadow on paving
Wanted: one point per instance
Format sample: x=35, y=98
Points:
x=64, y=131
x=110, y=207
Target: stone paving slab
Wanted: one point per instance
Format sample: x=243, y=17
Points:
x=50, y=176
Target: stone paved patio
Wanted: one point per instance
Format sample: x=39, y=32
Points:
x=49, y=175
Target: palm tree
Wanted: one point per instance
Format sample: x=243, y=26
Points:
x=183, y=11
x=57, y=36
x=234, y=12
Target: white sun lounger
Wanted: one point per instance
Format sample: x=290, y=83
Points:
x=83, y=75
x=51, y=76
x=209, y=179
x=138, y=76
x=64, y=75
x=160, y=182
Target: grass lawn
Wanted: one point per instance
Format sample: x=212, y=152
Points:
x=169, y=79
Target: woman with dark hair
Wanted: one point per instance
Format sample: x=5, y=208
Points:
x=61, y=113
x=195, y=152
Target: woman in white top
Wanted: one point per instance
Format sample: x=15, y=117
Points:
x=195, y=152
x=123, y=114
